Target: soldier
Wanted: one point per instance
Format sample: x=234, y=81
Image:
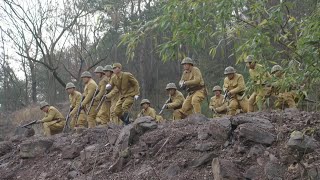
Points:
x=192, y=81
x=234, y=86
x=89, y=92
x=149, y=111
x=129, y=89
x=113, y=96
x=103, y=115
x=175, y=100
x=75, y=101
x=259, y=78
x=53, y=121
x=284, y=96
x=217, y=103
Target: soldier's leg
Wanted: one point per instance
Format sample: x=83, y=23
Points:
x=57, y=127
x=252, y=101
x=196, y=100
x=186, y=107
x=233, y=106
x=113, y=116
x=73, y=122
x=82, y=123
x=104, y=113
x=127, y=103
x=244, y=104
x=289, y=99
x=46, y=128
x=91, y=117
x=118, y=107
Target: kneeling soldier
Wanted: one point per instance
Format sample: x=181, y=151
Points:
x=149, y=111
x=234, y=86
x=53, y=121
x=75, y=101
x=217, y=103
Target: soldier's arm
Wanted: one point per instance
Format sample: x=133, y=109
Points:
x=102, y=89
x=49, y=117
x=134, y=83
x=77, y=105
x=222, y=108
x=153, y=114
x=196, y=80
x=241, y=86
x=112, y=93
x=89, y=96
x=175, y=103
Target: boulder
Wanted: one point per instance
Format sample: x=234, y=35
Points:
x=243, y=119
x=256, y=150
x=306, y=144
x=254, y=172
x=203, y=160
x=274, y=170
x=144, y=124
x=172, y=171
x=71, y=152
x=225, y=169
x=218, y=131
x=34, y=148
x=196, y=119
x=254, y=133
x=112, y=136
x=89, y=152
x=202, y=147
x=5, y=147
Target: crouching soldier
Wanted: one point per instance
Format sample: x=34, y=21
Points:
x=234, y=86
x=149, y=111
x=218, y=105
x=53, y=121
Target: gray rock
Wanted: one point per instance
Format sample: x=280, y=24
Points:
x=274, y=170
x=172, y=171
x=70, y=152
x=5, y=147
x=218, y=131
x=225, y=169
x=254, y=173
x=306, y=144
x=72, y=174
x=314, y=173
x=203, y=134
x=256, y=150
x=203, y=160
x=196, y=119
x=256, y=134
x=89, y=152
x=112, y=136
x=34, y=148
x=224, y=121
x=243, y=119
x=144, y=124
x=204, y=146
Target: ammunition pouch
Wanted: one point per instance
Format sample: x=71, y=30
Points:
x=193, y=89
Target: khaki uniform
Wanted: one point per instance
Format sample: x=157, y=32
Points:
x=150, y=112
x=220, y=107
x=113, y=97
x=89, y=90
x=103, y=115
x=196, y=92
x=285, y=98
x=259, y=77
x=175, y=104
x=236, y=87
x=128, y=87
x=75, y=100
x=53, y=122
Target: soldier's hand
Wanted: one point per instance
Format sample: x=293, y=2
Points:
x=182, y=84
x=108, y=86
x=211, y=108
x=136, y=97
x=165, y=106
x=229, y=94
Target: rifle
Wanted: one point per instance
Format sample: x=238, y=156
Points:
x=29, y=124
x=92, y=100
x=225, y=97
x=67, y=124
x=309, y=100
x=102, y=99
x=164, y=106
x=79, y=109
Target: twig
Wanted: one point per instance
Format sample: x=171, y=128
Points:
x=162, y=146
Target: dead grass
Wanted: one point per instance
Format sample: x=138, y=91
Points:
x=27, y=114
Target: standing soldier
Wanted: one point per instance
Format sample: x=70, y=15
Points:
x=284, y=96
x=128, y=87
x=75, y=101
x=89, y=92
x=192, y=81
x=217, y=103
x=103, y=115
x=175, y=100
x=259, y=78
x=149, y=111
x=53, y=121
x=234, y=87
x=113, y=96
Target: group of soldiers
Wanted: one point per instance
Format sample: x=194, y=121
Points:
x=111, y=100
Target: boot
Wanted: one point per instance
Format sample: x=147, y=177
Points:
x=125, y=118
